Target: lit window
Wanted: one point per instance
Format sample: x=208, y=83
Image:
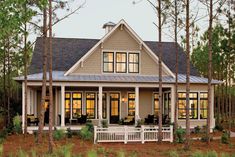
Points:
x=131, y=104
x=108, y=61
x=133, y=62
x=156, y=104
x=120, y=62
x=77, y=105
x=203, y=105
x=193, y=105
x=90, y=105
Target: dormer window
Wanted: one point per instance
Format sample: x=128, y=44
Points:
x=121, y=62
x=108, y=61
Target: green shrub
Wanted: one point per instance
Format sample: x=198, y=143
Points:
x=92, y=153
x=22, y=153
x=197, y=129
x=17, y=124
x=85, y=133
x=1, y=149
x=180, y=135
x=3, y=134
x=121, y=121
x=104, y=123
x=139, y=123
x=120, y=153
x=198, y=154
x=90, y=126
x=65, y=151
x=211, y=154
x=225, y=155
x=58, y=134
x=69, y=133
x=219, y=127
x=173, y=154
x=225, y=137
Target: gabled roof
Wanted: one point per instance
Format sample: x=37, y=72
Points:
x=135, y=36
x=67, y=51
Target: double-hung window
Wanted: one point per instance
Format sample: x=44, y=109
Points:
x=131, y=104
x=133, y=62
x=108, y=62
x=156, y=104
x=121, y=62
x=203, y=105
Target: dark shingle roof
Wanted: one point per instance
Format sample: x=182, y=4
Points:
x=67, y=51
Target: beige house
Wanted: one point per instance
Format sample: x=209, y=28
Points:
x=113, y=78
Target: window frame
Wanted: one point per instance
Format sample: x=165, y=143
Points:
x=156, y=99
x=116, y=62
x=72, y=99
x=190, y=109
x=128, y=107
x=94, y=99
x=203, y=99
x=107, y=62
x=134, y=63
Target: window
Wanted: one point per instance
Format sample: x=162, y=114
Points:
x=90, y=105
x=131, y=104
x=120, y=62
x=156, y=104
x=108, y=61
x=203, y=105
x=193, y=105
x=133, y=62
x=104, y=106
x=77, y=105
x=67, y=105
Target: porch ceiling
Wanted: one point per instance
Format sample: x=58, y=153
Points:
x=59, y=76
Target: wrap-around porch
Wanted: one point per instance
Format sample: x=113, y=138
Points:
x=114, y=103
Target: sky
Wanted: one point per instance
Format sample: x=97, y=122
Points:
x=88, y=21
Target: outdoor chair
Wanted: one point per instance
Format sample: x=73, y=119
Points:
x=31, y=119
x=82, y=119
x=149, y=119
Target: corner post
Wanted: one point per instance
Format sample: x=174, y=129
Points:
x=136, y=105
x=62, y=106
x=100, y=104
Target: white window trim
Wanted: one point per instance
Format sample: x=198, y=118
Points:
x=114, y=65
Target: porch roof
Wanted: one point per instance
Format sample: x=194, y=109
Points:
x=59, y=76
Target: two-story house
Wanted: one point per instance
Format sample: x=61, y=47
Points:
x=115, y=77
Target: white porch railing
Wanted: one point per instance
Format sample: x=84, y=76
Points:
x=131, y=134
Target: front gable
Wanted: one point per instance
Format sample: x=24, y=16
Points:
x=120, y=39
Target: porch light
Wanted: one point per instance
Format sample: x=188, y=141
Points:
x=124, y=99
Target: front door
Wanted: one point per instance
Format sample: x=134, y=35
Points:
x=114, y=107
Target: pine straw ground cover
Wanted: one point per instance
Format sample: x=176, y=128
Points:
x=16, y=143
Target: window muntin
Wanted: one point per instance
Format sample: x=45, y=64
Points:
x=108, y=62
x=90, y=105
x=76, y=104
x=203, y=105
x=156, y=104
x=67, y=105
x=193, y=105
x=121, y=62
x=133, y=62
x=131, y=104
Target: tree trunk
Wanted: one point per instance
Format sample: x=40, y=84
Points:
x=187, y=145
x=8, y=83
x=160, y=71
x=50, y=81
x=4, y=84
x=43, y=99
x=25, y=74
x=209, y=73
x=176, y=70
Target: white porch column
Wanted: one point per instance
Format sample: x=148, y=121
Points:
x=100, y=102
x=62, y=105
x=173, y=104
x=23, y=106
x=137, y=117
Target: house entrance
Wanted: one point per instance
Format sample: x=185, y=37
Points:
x=114, y=107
